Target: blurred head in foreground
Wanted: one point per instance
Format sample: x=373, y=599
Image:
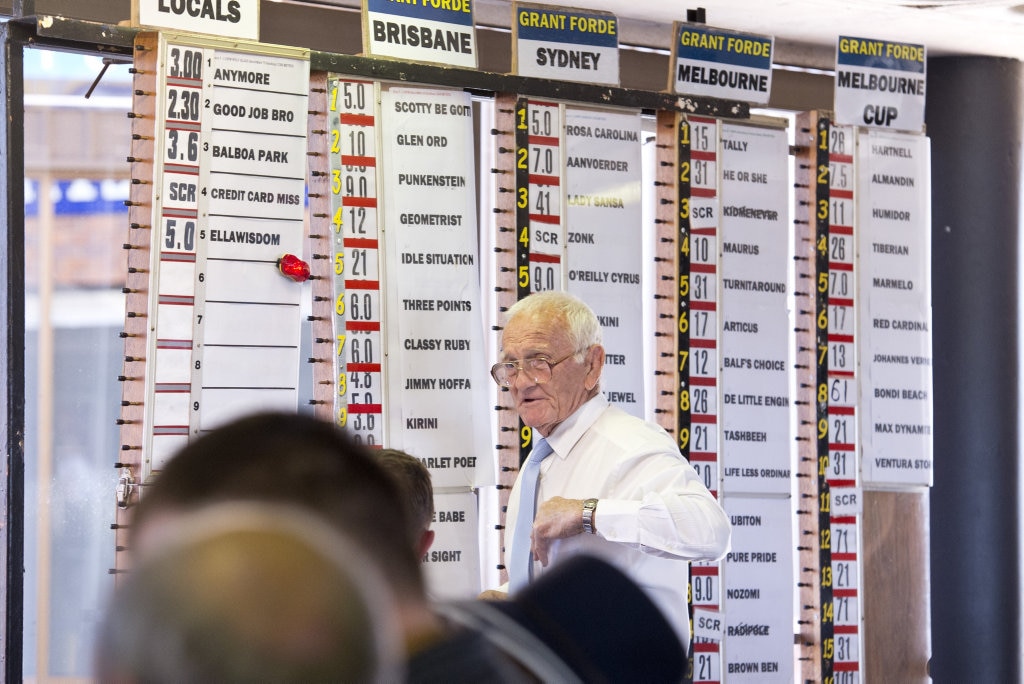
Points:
x=243, y=592
x=301, y=461
x=417, y=491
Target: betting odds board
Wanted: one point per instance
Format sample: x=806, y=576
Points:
x=219, y=154
x=400, y=322
x=217, y=252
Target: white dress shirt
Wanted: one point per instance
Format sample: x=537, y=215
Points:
x=654, y=514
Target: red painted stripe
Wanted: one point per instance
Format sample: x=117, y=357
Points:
x=362, y=326
x=356, y=119
x=546, y=258
x=359, y=202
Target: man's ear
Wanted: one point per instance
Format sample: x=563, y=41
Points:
x=595, y=362
x=425, y=542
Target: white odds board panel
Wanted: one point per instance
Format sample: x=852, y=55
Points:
x=546, y=239
x=452, y=564
x=603, y=214
x=228, y=203
x=359, y=404
x=757, y=347
x=436, y=381
x=844, y=458
x=894, y=224
x=698, y=345
x=759, y=591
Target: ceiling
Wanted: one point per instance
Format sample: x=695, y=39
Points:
x=806, y=30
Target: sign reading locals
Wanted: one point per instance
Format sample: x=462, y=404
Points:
x=880, y=83
x=565, y=45
x=227, y=18
x=438, y=31
x=724, y=64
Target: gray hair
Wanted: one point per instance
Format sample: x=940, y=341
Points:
x=578, y=319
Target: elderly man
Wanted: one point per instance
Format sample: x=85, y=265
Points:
x=613, y=485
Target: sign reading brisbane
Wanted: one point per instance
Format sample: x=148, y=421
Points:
x=438, y=31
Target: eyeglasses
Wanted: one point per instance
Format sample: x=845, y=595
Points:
x=537, y=367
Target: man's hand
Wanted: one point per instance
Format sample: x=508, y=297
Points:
x=556, y=518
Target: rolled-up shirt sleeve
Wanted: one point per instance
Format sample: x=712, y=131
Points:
x=675, y=521
x=649, y=496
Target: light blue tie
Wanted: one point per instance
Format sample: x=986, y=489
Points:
x=520, y=569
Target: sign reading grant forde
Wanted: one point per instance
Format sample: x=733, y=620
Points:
x=439, y=31
x=716, y=63
x=880, y=84
x=227, y=18
x=565, y=45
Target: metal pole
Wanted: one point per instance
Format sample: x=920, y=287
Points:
x=12, y=367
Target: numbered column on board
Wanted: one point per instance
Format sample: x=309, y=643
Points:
x=358, y=306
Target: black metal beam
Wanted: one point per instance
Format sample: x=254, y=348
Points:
x=65, y=33
x=13, y=37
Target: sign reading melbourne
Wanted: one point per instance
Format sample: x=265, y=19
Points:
x=716, y=63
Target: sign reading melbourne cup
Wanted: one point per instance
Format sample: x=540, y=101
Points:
x=880, y=83
x=226, y=18
x=715, y=63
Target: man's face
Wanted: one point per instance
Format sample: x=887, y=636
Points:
x=572, y=382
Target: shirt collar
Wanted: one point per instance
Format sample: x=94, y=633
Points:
x=564, y=437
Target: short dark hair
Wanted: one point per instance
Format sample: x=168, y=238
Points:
x=292, y=459
x=414, y=480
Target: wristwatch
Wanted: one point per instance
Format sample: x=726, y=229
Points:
x=589, y=507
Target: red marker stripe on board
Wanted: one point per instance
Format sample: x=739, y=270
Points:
x=362, y=326
x=356, y=120
x=546, y=258
x=704, y=457
x=359, y=202
x=542, y=140
x=353, y=160
x=362, y=284
x=364, y=408
x=366, y=243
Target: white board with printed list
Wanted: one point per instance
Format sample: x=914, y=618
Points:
x=758, y=592
x=436, y=381
x=227, y=205
x=894, y=273
x=603, y=217
x=757, y=430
